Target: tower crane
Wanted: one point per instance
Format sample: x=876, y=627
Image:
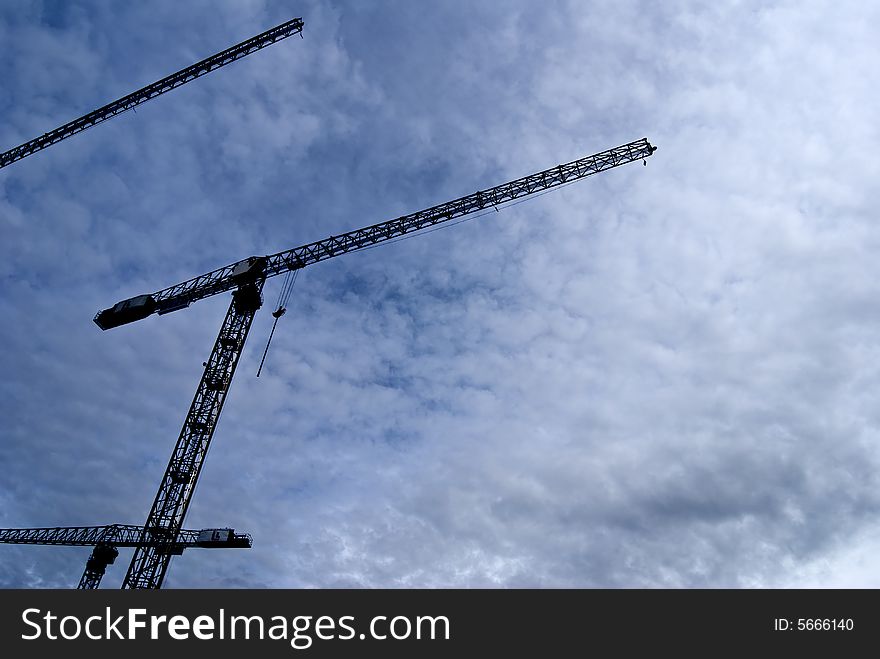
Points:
x=106, y=539
x=245, y=279
x=153, y=90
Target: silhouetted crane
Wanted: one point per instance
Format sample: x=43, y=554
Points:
x=105, y=540
x=245, y=279
x=149, y=92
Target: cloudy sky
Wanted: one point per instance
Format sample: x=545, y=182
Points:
x=662, y=376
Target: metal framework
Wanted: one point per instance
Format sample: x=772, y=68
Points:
x=105, y=540
x=246, y=278
x=153, y=90
x=150, y=561
x=224, y=279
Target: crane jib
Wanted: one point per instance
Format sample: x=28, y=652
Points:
x=153, y=90
x=257, y=268
x=124, y=535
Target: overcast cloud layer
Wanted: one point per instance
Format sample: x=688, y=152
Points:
x=662, y=376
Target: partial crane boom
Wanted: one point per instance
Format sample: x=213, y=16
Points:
x=144, y=94
x=106, y=539
x=119, y=535
x=229, y=277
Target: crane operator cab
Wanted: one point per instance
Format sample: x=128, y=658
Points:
x=246, y=273
x=248, y=269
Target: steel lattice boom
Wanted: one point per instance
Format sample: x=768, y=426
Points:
x=246, y=278
x=153, y=90
x=227, y=278
x=106, y=539
x=119, y=535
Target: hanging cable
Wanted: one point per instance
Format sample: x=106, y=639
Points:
x=280, y=309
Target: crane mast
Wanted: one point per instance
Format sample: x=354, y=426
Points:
x=150, y=562
x=246, y=278
x=106, y=539
x=153, y=90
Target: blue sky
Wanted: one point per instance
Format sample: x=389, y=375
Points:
x=663, y=376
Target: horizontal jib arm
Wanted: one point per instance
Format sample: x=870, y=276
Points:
x=257, y=268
